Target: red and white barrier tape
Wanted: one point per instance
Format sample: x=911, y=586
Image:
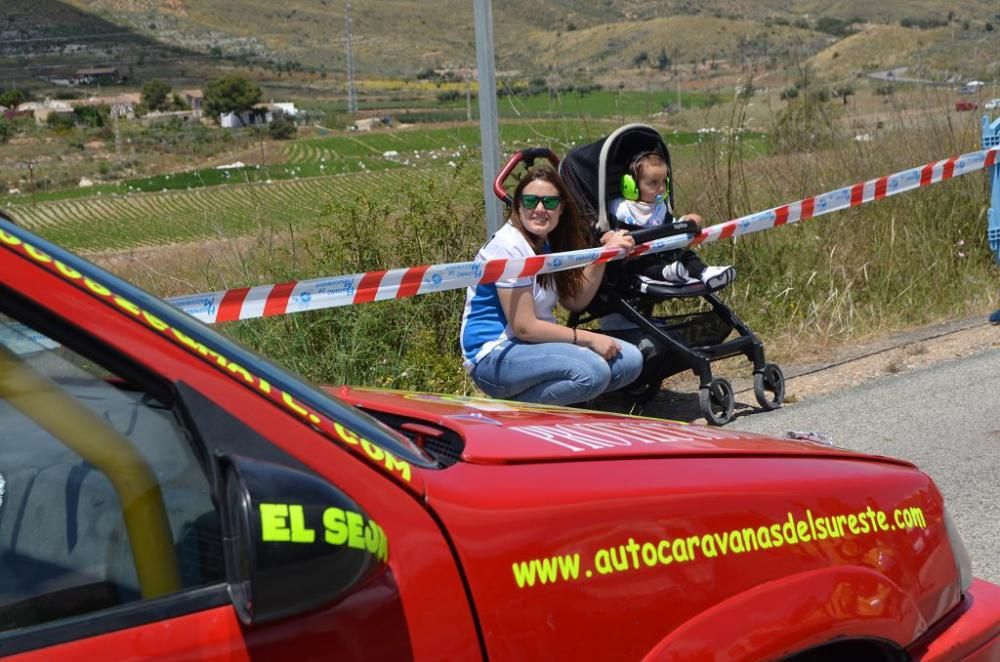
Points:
x=320, y=293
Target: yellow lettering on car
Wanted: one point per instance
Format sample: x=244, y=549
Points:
x=67, y=271
x=37, y=254
x=96, y=287
x=372, y=451
x=347, y=436
x=274, y=522
x=355, y=530
x=334, y=521
x=237, y=369
x=155, y=321
x=392, y=463
x=635, y=555
x=282, y=522
x=127, y=306
x=297, y=520
x=291, y=404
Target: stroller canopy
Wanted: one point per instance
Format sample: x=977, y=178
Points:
x=593, y=172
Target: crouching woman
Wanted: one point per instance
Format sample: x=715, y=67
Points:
x=513, y=347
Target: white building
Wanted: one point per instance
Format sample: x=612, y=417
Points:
x=254, y=117
x=287, y=108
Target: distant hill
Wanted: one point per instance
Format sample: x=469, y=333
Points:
x=571, y=37
x=51, y=39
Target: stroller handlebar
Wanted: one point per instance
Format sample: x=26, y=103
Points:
x=665, y=230
x=528, y=156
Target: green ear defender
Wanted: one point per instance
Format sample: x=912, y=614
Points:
x=629, y=187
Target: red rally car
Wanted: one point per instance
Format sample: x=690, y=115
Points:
x=165, y=492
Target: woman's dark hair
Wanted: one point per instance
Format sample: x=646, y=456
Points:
x=570, y=234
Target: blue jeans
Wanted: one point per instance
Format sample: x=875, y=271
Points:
x=554, y=373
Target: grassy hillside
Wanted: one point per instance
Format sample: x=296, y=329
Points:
x=881, y=47
x=51, y=39
x=615, y=45
x=401, y=36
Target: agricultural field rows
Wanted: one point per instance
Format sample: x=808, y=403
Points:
x=145, y=219
x=312, y=173
x=558, y=135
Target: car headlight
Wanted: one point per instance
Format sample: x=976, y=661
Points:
x=962, y=559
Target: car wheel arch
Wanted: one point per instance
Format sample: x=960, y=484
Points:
x=846, y=603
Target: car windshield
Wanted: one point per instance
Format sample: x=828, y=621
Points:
x=21, y=340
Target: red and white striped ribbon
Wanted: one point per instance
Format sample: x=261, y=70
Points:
x=320, y=293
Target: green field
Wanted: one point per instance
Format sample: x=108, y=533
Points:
x=149, y=219
x=318, y=172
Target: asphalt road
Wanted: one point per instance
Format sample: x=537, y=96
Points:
x=944, y=418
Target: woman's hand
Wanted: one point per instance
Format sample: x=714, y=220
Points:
x=594, y=272
x=694, y=217
x=618, y=239
x=599, y=343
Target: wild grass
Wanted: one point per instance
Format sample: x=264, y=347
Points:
x=910, y=259
x=907, y=260
x=410, y=343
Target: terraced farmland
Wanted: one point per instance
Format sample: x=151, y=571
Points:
x=144, y=219
x=187, y=206
x=558, y=135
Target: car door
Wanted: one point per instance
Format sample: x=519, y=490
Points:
x=126, y=460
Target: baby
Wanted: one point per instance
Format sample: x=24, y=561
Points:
x=644, y=203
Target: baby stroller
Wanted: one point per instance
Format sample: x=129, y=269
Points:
x=670, y=344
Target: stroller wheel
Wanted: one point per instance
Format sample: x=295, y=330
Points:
x=769, y=387
x=642, y=392
x=717, y=401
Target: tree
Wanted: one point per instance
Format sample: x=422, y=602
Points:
x=177, y=102
x=6, y=130
x=843, y=92
x=93, y=116
x=12, y=98
x=640, y=59
x=230, y=94
x=835, y=26
x=154, y=94
x=663, y=60
x=282, y=127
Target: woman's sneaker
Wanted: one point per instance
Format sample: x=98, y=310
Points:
x=716, y=277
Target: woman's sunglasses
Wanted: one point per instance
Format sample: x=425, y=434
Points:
x=550, y=202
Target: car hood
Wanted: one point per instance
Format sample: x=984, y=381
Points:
x=504, y=432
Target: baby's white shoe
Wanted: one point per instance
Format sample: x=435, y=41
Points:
x=716, y=277
x=675, y=272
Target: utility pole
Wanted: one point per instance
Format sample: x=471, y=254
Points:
x=118, y=135
x=352, y=94
x=489, y=133
x=30, y=165
x=468, y=95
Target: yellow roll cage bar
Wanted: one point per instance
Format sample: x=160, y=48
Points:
x=80, y=429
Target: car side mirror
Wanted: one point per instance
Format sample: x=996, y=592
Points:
x=293, y=542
